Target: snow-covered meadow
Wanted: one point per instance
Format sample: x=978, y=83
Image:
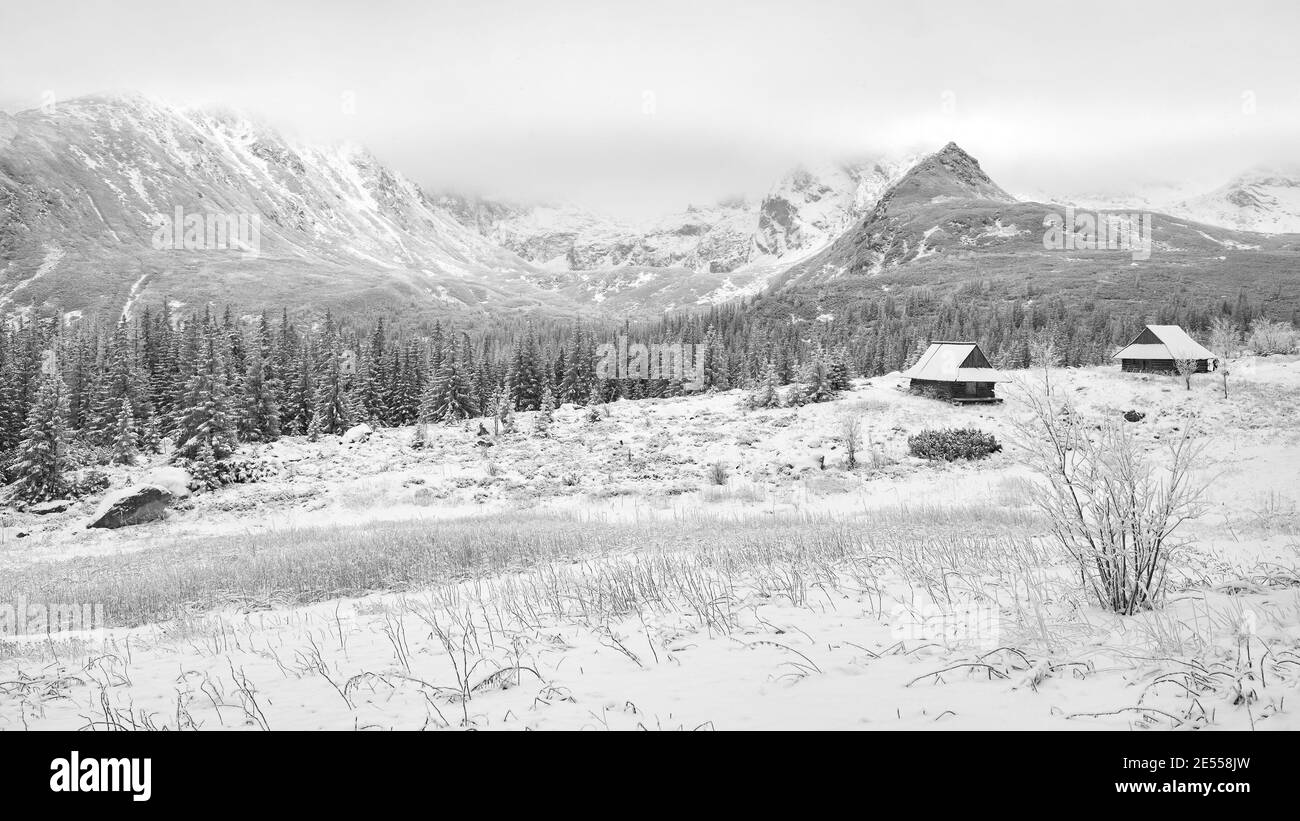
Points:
x=676, y=564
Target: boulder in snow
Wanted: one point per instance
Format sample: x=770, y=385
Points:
x=133, y=506
x=174, y=480
x=55, y=506
x=358, y=433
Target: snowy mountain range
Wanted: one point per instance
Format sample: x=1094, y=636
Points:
x=946, y=228
x=1263, y=200
x=802, y=212
x=85, y=184
x=1266, y=200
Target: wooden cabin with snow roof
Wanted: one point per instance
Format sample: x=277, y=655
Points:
x=1159, y=348
x=956, y=371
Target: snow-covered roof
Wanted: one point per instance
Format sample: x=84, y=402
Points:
x=1164, y=342
x=954, y=362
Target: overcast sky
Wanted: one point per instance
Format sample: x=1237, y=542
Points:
x=640, y=109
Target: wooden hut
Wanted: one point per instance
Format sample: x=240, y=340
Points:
x=956, y=371
x=1159, y=348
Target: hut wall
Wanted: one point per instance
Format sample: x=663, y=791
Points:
x=1161, y=366
x=932, y=388
x=952, y=390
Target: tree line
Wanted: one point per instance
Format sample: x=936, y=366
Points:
x=205, y=381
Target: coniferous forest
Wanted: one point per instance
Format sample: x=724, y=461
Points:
x=87, y=391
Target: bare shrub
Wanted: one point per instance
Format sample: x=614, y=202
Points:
x=851, y=437
x=1186, y=368
x=717, y=473
x=1112, y=509
x=1043, y=355
x=1225, y=337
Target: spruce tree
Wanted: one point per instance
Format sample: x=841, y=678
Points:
x=332, y=410
x=42, y=460
x=837, y=370
x=816, y=383
x=260, y=419
x=204, y=417
x=450, y=395
x=546, y=413
x=765, y=395
x=125, y=442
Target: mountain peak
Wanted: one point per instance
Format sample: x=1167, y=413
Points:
x=947, y=174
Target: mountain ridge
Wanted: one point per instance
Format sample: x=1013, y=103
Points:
x=82, y=184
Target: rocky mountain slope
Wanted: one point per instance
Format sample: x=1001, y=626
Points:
x=802, y=212
x=1266, y=200
x=85, y=186
x=946, y=226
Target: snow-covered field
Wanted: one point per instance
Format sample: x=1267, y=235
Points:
x=677, y=564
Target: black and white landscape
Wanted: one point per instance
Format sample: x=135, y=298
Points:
x=746, y=366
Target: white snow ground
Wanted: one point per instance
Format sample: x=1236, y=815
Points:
x=791, y=596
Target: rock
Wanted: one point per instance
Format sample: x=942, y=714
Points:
x=1134, y=416
x=174, y=480
x=133, y=506
x=358, y=433
x=56, y=506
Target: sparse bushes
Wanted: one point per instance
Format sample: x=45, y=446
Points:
x=1268, y=337
x=717, y=473
x=951, y=444
x=210, y=474
x=1111, y=508
x=87, y=483
x=236, y=471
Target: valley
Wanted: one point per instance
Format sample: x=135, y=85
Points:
x=675, y=564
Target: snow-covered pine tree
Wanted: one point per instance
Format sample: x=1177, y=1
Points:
x=42, y=462
x=376, y=379
x=332, y=410
x=546, y=413
x=525, y=374
x=125, y=442
x=203, y=469
x=837, y=370
x=765, y=395
x=260, y=417
x=296, y=409
x=816, y=383
x=12, y=410
x=571, y=387
x=715, y=362
x=118, y=382
x=204, y=417
x=449, y=396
